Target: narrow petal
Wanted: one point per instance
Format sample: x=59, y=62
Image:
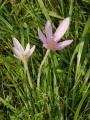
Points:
x=29, y=53
x=17, y=53
x=48, y=29
x=41, y=36
x=63, y=44
x=17, y=45
x=27, y=48
x=61, y=29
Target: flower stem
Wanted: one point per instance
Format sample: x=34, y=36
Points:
x=40, y=68
x=28, y=74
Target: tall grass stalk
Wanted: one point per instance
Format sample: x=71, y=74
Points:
x=40, y=68
x=27, y=73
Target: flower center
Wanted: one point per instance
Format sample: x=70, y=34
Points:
x=24, y=56
x=50, y=45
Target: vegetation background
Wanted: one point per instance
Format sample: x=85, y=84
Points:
x=65, y=80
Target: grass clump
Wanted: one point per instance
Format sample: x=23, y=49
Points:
x=65, y=76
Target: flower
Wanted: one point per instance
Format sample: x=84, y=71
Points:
x=20, y=53
x=50, y=40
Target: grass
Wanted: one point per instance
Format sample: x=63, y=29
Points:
x=64, y=92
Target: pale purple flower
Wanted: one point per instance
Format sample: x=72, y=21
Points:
x=50, y=39
x=20, y=53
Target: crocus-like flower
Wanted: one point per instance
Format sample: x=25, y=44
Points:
x=20, y=53
x=50, y=40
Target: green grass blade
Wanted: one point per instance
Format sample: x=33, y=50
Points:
x=44, y=10
x=81, y=103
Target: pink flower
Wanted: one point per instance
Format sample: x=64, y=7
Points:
x=50, y=40
x=20, y=53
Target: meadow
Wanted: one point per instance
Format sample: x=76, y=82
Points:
x=52, y=84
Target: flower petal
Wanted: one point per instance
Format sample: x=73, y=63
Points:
x=27, y=48
x=29, y=53
x=17, y=45
x=63, y=44
x=17, y=53
x=41, y=36
x=61, y=29
x=48, y=29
